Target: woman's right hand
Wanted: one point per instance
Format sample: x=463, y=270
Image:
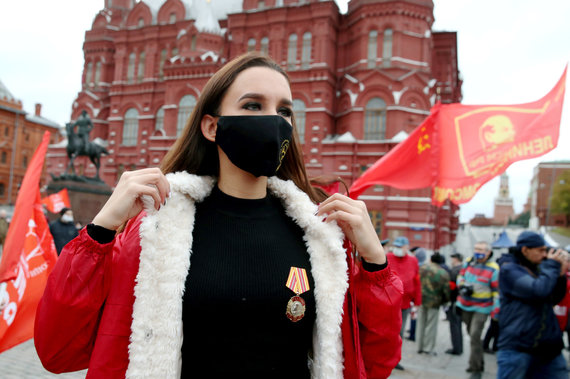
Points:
x=125, y=201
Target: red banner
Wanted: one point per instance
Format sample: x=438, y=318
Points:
x=28, y=257
x=57, y=201
x=458, y=148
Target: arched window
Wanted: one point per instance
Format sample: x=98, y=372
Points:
x=172, y=19
x=4, y=157
x=265, y=45
x=306, y=52
x=161, y=65
x=131, y=127
x=25, y=161
x=185, y=108
x=131, y=68
x=2, y=190
x=193, y=43
x=387, y=48
x=292, y=51
x=159, y=125
x=98, y=73
x=372, y=48
x=140, y=71
x=89, y=73
x=375, y=119
x=141, y=22
x=299, y=111
x=175, y=52
x=250, y=44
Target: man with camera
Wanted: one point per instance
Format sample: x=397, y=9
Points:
x=478, y=284
x=532, y=280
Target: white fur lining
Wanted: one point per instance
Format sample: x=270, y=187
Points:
x=166, y=241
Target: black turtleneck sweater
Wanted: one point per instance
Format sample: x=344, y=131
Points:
x=235, y=300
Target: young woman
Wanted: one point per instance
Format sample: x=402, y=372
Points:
x=226, y=267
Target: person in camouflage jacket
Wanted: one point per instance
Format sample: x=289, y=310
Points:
x=435, y=292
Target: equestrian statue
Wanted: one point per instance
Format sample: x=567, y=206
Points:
x=78, y=144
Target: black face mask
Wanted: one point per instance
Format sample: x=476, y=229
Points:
x=256, y=144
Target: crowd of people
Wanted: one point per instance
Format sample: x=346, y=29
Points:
x=523, y=297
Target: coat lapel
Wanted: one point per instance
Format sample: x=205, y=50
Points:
x=330, y=273
x=166, y=241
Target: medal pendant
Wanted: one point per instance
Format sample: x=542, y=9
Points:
x=295, y=308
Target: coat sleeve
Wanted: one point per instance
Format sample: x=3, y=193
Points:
x=378, y=302
x=460, y=280
x=495, y=292
x=446, y=288
x=516, y=281
x=417, y=285
x=70, y=309
x=559, y=290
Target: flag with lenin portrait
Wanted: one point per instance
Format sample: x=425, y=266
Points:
x=27, y=259
x=458, y=148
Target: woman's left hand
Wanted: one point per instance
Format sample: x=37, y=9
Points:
x=352, y=217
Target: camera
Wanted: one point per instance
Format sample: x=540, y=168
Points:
x=466, y=290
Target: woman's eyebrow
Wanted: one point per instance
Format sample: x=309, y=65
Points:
x=259, y=96
x=251, y=95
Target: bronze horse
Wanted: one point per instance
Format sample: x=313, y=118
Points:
x=77, y=148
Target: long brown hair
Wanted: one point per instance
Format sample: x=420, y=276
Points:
x=193, y=153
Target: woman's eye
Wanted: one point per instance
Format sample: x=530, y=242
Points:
x=252, y=106
x=286, y=112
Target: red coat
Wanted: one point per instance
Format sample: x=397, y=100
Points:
x=408, y=270
x=89, y=316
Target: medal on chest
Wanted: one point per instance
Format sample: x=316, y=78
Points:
x=297, y=282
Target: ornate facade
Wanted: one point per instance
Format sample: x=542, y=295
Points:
x=20, y=135
x=361, y=82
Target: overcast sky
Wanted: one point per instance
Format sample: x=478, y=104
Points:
x=510, y=52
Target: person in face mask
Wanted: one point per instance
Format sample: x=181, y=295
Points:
x=63, y=229
x=478, y=286
x=228, y=249
x=407, y=268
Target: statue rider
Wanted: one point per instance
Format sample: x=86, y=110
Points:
x=84, y=126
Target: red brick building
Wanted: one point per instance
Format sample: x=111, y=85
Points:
x=20, y=135
x=545, y=176
x=361, y=82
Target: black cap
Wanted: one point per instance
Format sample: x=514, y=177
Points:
x=457, y=256
x=63, y=210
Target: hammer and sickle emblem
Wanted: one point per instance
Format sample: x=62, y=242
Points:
x=422, y=142
x=284, y=148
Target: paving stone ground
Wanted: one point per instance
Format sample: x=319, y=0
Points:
x=441, y=366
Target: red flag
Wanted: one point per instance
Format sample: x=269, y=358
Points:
x=57, y=201
x=28, y=257
x=458, y=148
